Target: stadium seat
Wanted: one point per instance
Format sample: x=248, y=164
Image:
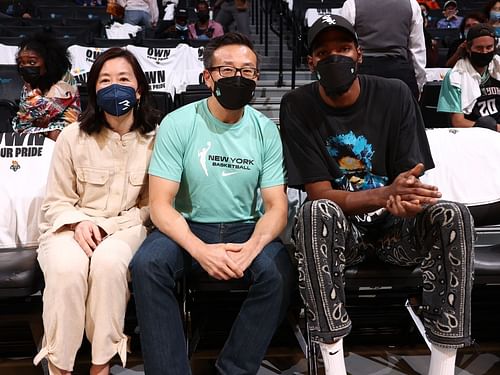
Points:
x=83, y=35
x=52, y=11
x=160, y=43
x=163, y=102
x=11, y=40
x=11, y=83
x=428, y=106
x=193, y=93
x=20, y=31
x=92, y=13
x=108, y=43
x=8, y=110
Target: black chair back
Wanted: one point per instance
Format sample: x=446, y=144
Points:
x=8, y=110
x=11, y=83
x=193, y=93
x=163, y=102
x=108, y=43
x=428, y=106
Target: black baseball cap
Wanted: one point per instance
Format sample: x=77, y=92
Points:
x=181, y=12
x=481, y=29
x=326, y=21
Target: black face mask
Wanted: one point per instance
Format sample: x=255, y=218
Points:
x=234, y=92
x=203, y=17
x=481, y=59
x=336, y=74
x=30, y=74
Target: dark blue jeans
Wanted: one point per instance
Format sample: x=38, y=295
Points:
x=157, y=265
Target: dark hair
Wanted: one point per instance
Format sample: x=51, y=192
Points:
x=55, y=57
x=478, y=16
x=226, y=40
x=489, y=6
x=204, y=2
x=146, y=116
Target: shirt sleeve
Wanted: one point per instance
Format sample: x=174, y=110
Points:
x=166, y=161
x=349, y=11
x=273, y=166
x=59, y=206
x=410, y=145
x=304, y=160
x=450, y=97
x=417, y=44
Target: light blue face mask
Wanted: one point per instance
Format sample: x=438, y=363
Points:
x=494, y=16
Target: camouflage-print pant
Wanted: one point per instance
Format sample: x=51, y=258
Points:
x=440, y=239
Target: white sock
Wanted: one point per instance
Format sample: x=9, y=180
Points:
x=333, y=358
x=442, y=360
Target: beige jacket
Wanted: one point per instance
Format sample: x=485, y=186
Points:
x=101, y=178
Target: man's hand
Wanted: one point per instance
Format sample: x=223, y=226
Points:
x=410, y=189
x=242, y=254
x=88, y=236
x=216, y=261
x=408, y=195
x=400, y=208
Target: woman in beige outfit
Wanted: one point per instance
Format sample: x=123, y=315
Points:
x=94, y=214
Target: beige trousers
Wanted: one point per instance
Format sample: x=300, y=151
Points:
x=83, y=293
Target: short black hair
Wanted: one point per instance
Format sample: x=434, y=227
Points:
x=226, y=40
x=55, y=57
x=146, y=117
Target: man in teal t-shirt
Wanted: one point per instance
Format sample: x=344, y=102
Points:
x=218, y=201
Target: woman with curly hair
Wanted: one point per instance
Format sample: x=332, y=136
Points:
x=49, y=99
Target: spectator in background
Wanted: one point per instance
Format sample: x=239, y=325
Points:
x=458, y=47
x=49, y=99
x=470, y=92
x=229, y=11
x=94, y=214
x=359, y=157
x=393, y=47
x=450, y=20
x=20, y=9
x=176, y=29
x=431, y=45
x=140, y=12
x=492, y=11
x=204, y=28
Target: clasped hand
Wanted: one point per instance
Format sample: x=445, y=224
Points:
x=224, y=261
x=407, y=195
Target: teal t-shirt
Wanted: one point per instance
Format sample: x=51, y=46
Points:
x=220, y=167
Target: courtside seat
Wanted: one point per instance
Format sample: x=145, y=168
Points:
x=20, y=275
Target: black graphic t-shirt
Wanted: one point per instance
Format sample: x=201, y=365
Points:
x=364, y=146
x=488, y=103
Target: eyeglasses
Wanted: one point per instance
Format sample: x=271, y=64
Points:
x=230, y=71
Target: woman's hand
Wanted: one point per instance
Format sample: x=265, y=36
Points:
x=88, y=235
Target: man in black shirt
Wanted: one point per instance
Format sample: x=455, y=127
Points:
x=357, y=146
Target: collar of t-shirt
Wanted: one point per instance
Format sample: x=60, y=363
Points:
x=358, y=104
